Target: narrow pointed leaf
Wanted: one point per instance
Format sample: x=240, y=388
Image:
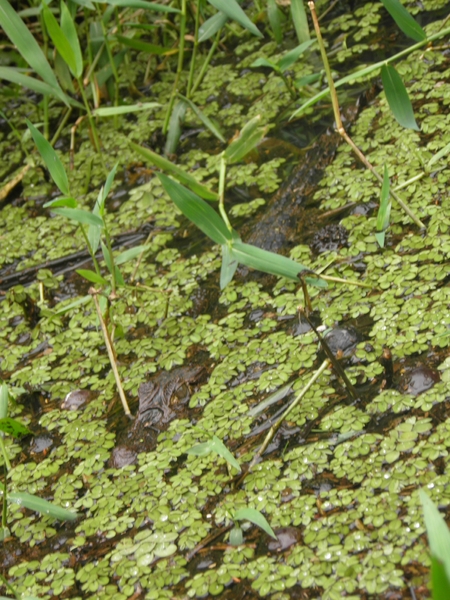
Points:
x=69, y=30
x=229, y=266
x=219, y=448
x=404, y=20
x=443, y=152
x=42, y=506
x=203, y=118
x=111, y=111
x=107, y=257
x=300, y=20
x=275, y=19
x=197, y=211
x=232, y=9
x=384, y=212
x=107, y=187
x=211, y=26
x=290, y=58
x=439, y=581
x=269, y=262
x=140, y=4
x=4, y=401
x=26, y=44
x=13, y=427
x=59, y=39
x=127, y=255
x=51, y=159
x=398, y=98
x=438, y=532
x=249, y=137
x=202, y=449
x=80, y=216
x=236, y=536
x=176, y=171
x=175, y=127
x=14, y=76
x=264, y=62
x=92, y=276
x=138, y=44
x=255, y=517
x=68, y=202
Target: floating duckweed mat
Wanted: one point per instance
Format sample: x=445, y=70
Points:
x=340, y=483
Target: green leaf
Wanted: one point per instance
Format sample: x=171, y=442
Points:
x=137, y=44
x=140, y=4
x=251, y=134
x=440, y=585
x=263, y=62
x=232, y=9
x=28, y=47
x=255, y=517
x=229, y=266
x=175, y=127
x=111, y=111
x=197, y=211
x=292, y=56
x=211, y=26
x=300, y=20
x=275, y=19
x=92, y=276
x=13, y=427
x=398, y=98
x=127, y=255
x=202, y=449
x=384, y=212
x=10, y=74
x=59, y=39
x=42, y=506
x=64, y=201
x=4, y=400
x=269, y=262
x=69, y=30
x=436, y=157
x=404, y=20
x=51, y=159
x=106, y=189
x=219, y=448
x=176, y=171
x=236, y=536
x=203, y=118
x=80, y=216
x=74, y=304
x=438, y=532
x=107, y=257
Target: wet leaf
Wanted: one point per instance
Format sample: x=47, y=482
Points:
x=51, y=159
x=42, y=506
x=255, y=517
x=232, y=9
x=398, y=98
x=197, y=211
x=300, y=20
x=404, y=20
x=14, y=428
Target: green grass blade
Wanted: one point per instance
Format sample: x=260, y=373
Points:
x=12, y=75
x=275, y=19
x=232, y=9
x=14, y=428
x=68, y=202
x=92, y=276
x=384, y=212
x=404, y=20
x=127, y=255
x=176, y=171
x=204, y=119
x=140, y=4
x=219, y=448
x=228, y=268
x=4, y=401
x=197, y=211
x=398, y=98
x=28, y=47
x=250, y=136
x=255, y=517
x=300, y=20
x=79, y=216
x=264, y=62
x=291, y=57
x=211, y=26
x=440, y=584
x=60, y=41
x=438, y=532
x=42, y=506
x=137, y=44
x=175, y=127
x=69, y=30
x=269, y=262
x=112, y=111
x=51, y=159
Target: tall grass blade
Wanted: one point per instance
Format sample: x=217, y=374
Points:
x=292, y=56
x=42, y=506
x=60, y=41
x=269, y=262
x=300, y=20
x=175, y=127
x=112, y=111
x=69, y=30
x=264, y=62
x=176, y=171
x=140, y=4
x=197, y=211
x=249, y=137
x=384, y=212
x=398, y=98
x=438, y=533
x=404, y=20
x=232, y=9
x=4, y=401
x=41, y=87
x=255, y=517
x=137, y=44
x=229, y=266
x=203, y=118
x=440, y=585
x=79, y=216
x=211, y=26
x=25, y=43
x=51, y=159
x=275, y=19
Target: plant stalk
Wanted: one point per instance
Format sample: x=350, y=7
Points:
x=179, y=67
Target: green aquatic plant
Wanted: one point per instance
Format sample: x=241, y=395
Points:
x=439, y=539
x=252, y=515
